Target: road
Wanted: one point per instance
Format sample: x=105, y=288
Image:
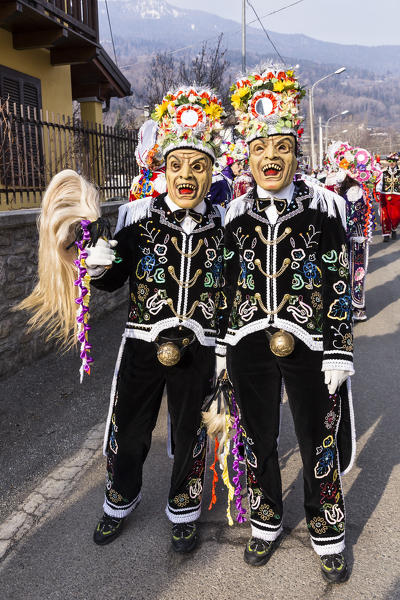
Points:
x=52, y=476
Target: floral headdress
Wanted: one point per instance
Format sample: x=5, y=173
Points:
x=267, y=102
x=358, y=163
x=231, y=152
x=189, y=118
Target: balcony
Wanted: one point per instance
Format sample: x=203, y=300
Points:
x=69, y=30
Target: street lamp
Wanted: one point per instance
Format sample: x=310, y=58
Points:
x=345, y=112
x=311, y=111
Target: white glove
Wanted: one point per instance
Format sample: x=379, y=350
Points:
x=335, y=378
x=101, y=255
x=220, y=365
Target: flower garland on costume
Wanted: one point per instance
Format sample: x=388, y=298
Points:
x=231, y=152
x=267, y=103
x=83, y=284
x=189, y=118
x=361, y=166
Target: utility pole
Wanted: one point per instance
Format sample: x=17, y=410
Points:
x=243, y=36
x=321, y=148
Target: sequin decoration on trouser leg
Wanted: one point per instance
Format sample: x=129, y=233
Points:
x=188, y=384
x=137, y=401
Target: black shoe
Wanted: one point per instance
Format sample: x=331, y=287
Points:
x=107, y=529
x=334, y=568
x=184, y=537
x=258, y=552
x=386, y=238
x=394, y=235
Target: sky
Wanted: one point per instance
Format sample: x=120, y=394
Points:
x=365, y=22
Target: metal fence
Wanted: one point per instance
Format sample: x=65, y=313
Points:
x=35, y=146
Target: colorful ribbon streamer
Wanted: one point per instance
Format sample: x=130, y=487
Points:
x=83, y=285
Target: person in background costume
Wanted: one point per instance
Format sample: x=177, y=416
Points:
x=361, y=173
x=230, y=165
x=150, y=183
x=170, y=248
x=286, y=317
x=389, y=198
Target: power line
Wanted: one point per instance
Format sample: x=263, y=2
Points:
x=273, y=12
x=264, y=30
x=111, y=32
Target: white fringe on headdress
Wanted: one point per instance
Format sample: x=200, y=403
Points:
x=328, y=202
x=131, y=212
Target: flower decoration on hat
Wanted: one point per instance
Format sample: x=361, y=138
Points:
x=190, y=118
x=267, y=102
x=231, y=152
x=358, y=163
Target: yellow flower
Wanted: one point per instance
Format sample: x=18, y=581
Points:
x=290, y=73
x=236, y=98
x=279, y=86
x=203, y=101
x=213, y=110
x=160, y=110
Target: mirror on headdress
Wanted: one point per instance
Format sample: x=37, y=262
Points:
x=264, y=107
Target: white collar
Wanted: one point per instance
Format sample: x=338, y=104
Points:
x=200, y=208
x=285, y=193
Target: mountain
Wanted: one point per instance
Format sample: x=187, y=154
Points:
x=160, y=25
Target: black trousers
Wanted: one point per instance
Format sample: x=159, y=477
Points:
x=140, y=383
x=256, y=374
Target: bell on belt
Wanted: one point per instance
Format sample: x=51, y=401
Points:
x=281, y=343
x=168, y=354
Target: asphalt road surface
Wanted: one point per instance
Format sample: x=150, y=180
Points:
x=52, y=477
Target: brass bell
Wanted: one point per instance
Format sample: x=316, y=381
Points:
x=168, y=354
x=281, y=343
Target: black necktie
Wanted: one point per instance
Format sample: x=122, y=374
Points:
x=182, y=213
x=264, y=203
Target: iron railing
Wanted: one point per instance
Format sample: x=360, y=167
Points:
x=34, y=146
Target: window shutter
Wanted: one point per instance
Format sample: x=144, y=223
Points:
x=22, y=160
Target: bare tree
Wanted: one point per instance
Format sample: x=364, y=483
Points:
x=207, y=69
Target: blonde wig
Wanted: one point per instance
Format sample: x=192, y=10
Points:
x=68, y=199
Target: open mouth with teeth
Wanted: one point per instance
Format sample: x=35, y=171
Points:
x=186, y=189
x=272, y=170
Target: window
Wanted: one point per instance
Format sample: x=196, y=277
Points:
x=21, y=160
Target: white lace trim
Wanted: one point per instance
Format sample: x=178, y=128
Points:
x=220, y=349
x=337, y=365
x=112, y=395
x=154, y=330
x=353, y=430
x=234, y=336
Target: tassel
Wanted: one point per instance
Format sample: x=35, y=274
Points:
x=215, y=476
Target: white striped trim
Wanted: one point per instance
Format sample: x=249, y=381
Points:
x=268, y=536
x=154, y=330
x=328, y=548
x=115, y=511
x=180, y=516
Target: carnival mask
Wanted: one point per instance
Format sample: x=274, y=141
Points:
x=188, y=173
x=273, y=161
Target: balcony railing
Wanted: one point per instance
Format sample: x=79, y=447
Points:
x=35, y=146
x=80, y=15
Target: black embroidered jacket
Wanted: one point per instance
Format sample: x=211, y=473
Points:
x=174, y=277
x=293, y=275
x=391, y=181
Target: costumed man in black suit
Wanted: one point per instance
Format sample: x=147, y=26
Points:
x=170, y=249
x=286, y=318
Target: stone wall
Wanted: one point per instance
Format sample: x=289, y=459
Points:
x=18, y=268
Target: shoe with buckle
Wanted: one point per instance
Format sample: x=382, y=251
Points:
x=184, y=537
x=334, y=568
x=258, y=552
x=107, y=529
